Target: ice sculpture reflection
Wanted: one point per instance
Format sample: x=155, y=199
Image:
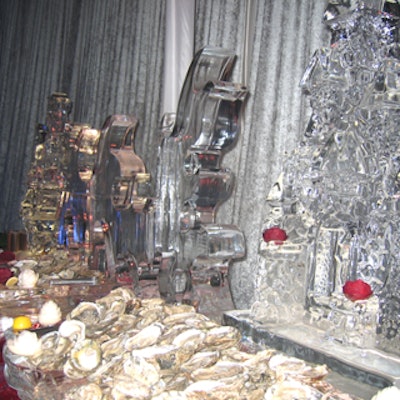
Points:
x=338, y=196
x=109, y=202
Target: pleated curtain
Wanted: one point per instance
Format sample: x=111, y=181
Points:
x=108, y=56
x=283, y=36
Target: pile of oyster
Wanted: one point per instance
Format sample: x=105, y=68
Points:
x=123, y=347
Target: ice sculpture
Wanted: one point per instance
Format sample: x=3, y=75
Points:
x=106, y=201
x=121, y=205
x=191, y=184
x=48, y=176
x=338, y=196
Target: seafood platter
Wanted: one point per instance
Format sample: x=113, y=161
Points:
x=123, y=347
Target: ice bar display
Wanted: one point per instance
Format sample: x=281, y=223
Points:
x=89, y=191
x=329, y=259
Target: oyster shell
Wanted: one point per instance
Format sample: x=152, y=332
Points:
x=180, y=355
x=199, y=360
x=54, y=349
x=164, y=355
x=180, y=318
x=171, y=309
x=211, y=389
x=200, y=323
x=289, y=390
x=74, y=330
x=86, y=355
x=153, y=302
x=112, y=347
x=171, y=395
x=172, y=332
x=146, y=337
x=286, y=367
x=176, y=382
x=87, y=312
x=124, y=387
x=220, y=370
x=116, y=302
x=146, y=372
x=149, y=316
x=90, y=391
x=222, y=337
x=190, y=339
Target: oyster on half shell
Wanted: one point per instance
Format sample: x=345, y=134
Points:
x=87, y=312
x=86, y=355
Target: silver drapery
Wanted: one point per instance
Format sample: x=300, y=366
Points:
x=285, y=35
x=108, y=56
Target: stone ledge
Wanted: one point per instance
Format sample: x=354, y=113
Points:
x=368, y=366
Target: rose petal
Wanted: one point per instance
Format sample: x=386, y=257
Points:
x=274, y=234
x=357, y=290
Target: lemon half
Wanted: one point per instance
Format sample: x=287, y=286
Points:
x=22, y=322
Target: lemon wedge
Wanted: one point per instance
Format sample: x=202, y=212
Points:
x=11, y=282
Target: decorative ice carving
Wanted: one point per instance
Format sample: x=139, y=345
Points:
x=40, y=209
x=104, y=198
x=191, y=184
x=338, y=196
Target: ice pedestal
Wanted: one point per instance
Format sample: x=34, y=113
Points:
x=369, y=366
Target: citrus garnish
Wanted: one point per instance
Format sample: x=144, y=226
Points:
x=11, y=282
x=22, y=322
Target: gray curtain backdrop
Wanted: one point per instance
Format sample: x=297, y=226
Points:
x=286, y=34
x=108, y=56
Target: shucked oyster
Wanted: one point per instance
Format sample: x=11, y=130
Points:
x=73, y=329
x=87, y=312
x=86, y=355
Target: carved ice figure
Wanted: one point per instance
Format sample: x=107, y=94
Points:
x=338, y=195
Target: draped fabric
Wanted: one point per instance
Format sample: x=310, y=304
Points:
x=108, y=56
x=179, y=49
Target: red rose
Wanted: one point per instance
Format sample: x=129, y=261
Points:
x=6, y=256
x=274, y=234
x=357, y=290
x=5, y=273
